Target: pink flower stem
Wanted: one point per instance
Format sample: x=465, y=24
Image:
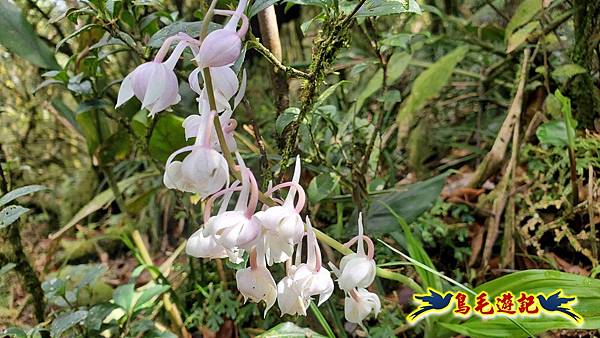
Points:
x=253, y=203
x=244, y=28
x=370, y=245
x=212, y=199
x=354, y=295
x=301, y=194
x=162, y=52
x=252, y=259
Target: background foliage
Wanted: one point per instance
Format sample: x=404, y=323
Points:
x=468, y=132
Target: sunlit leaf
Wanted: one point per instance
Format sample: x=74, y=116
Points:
x=10, y=214
x=22, y=191
x=587, y=291
x=523, y=14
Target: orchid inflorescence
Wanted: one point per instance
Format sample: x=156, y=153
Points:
x=273, y=234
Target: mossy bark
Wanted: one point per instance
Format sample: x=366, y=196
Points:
x=582, y=90
x=11, y=251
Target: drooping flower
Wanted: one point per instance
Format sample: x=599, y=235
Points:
x=282, y=225
x=203, y=171
x=202, y=246
x=238, y=229
x=154, y=83
x=357, y=270
x=223, y=46
x=305, y=280
x=359, y=303
x=256, y=282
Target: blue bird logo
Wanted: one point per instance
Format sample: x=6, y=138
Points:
x=556, y=303
x=433, y=301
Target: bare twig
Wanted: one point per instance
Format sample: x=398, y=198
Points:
x=591, y=211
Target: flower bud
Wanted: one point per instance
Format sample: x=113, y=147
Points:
x=220, y=48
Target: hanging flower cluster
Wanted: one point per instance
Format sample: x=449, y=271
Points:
x=269, y=235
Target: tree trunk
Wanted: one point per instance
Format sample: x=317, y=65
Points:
x=582, y=90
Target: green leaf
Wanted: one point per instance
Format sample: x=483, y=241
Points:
x=18, y=36
x=523, y=14
x=570, y=122
x=565, y=72
x=327, y=93
x=289, y=330
x=408, y=203
x=388, y=7
x=91, y=274
x=396, y=66
x=190, y=28
x=322, y=186
x=167, y=136
x=587, y=291
x=153, y=291
x=16, y=332
x=104, y=198
x=77, y=32
x=65, y=321
x=10, y=214
x=427, y=86
x=259, y=5
x=285, y=118
x=123, y=296
x=520, y=36
x=416, y=252
x=96, y=315
x=553, y=133
x=22, y=191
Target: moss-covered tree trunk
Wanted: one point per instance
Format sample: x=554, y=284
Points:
x=582, y=90
x=11, y=251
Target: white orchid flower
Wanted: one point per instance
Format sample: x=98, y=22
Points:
x=256, y=282
x=203, y=171
x=238, y=229
x=154, y=83
x=202, y=246
x=359, y=303
x=282, y=225
x=223, y=46
x=304, y=280
x=225, y=84
x=357, y=269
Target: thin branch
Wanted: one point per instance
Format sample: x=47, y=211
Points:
x=290, y=71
